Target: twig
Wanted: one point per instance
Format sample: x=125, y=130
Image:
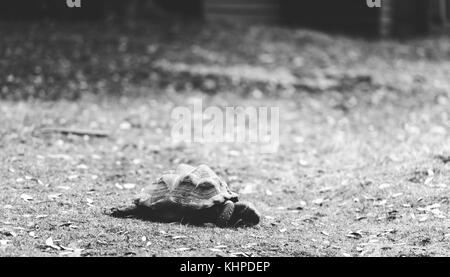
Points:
x=77, y=132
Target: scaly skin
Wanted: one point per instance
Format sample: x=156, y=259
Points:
x=225, y=214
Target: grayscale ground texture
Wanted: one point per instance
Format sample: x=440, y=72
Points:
x=362, y=168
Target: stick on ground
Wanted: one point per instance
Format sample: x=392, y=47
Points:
x=77, y=132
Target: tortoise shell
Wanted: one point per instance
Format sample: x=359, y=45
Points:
x=189, y=188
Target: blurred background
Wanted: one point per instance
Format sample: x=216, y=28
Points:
x=398, y=17
x=116, y=43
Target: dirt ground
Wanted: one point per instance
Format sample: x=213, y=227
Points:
x=362, y=168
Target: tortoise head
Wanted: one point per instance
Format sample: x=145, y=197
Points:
x=244, y=215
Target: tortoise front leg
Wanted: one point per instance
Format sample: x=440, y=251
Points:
x=122, y=211
x=131, y=211
x=225, y=214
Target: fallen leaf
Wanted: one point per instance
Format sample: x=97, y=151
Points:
x=355, y=235
x=72, y=253
x=41, y=216
x=234, y=153
x=129, y=186
x=82, y=167
x=64, y=187
x=318, y=201
x=240, y=254
x=384, y=186
x=303, y=163
x=325, y=189
x=183, y=249
x=125, y=125
x=49, y=242
x=26, y=197
x=428, y=180
x=4, y=242
x=72, y=177
x=178, y=237
x=361, y=217
x=53, y=196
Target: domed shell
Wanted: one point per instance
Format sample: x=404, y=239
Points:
x=188, y=187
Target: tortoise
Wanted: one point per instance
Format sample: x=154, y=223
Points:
x=194, y=195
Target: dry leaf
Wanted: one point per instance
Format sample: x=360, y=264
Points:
x=53, y=196
x=240, y=254
x=355, y=235
x=183, y=249
x=178, y=237
x=72, y=177
x=318, y=201
x=384, y=186
x=82, y=167
x=26, y=197
x=49, y=242
x=129, y=186
x=4, y=242
x=41, y=216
